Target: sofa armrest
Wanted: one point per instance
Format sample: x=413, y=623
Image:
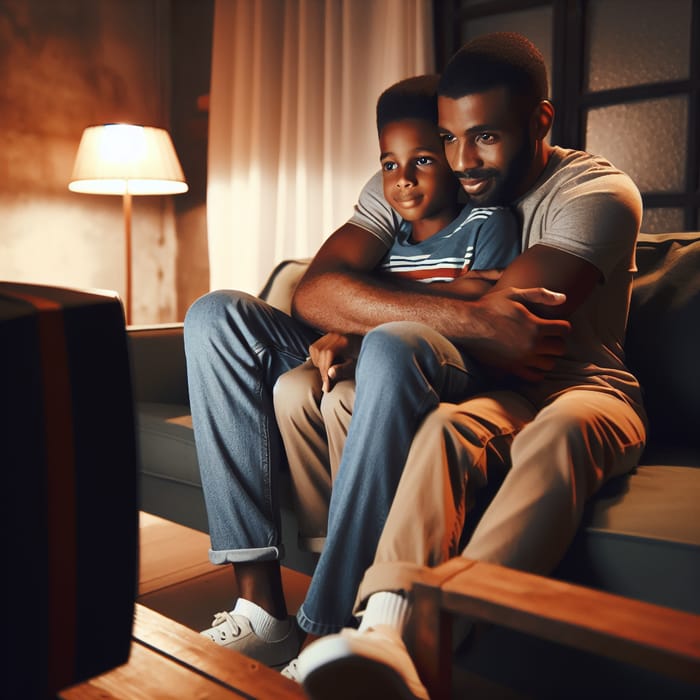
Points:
x=661, y=639
x=158, y=369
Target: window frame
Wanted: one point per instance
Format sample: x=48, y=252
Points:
x=572, y=101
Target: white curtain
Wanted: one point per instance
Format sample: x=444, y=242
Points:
x=292, y=135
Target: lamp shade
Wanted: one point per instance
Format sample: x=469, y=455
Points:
x=127, y=159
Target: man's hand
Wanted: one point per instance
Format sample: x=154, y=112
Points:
x=514, y=339
x=335, y=356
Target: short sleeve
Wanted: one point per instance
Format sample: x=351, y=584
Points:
x=373, y=213
x=599, y=222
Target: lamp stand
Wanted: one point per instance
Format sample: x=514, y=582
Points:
x=127, y=241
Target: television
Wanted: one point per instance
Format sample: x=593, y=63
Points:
x=68, y=461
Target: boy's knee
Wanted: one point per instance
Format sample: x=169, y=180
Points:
x=219, y=309
x=390, y=343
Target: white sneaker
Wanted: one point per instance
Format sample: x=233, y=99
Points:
x=370, y=664
x=291, y=671
x=235, y=632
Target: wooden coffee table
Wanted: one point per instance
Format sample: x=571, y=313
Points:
x=170, y=659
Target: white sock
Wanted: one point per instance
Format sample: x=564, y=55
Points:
x=386, y=608
x=264, y=625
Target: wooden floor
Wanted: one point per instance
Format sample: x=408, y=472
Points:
x=177, y=580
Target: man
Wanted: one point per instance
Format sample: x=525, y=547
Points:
x=237, y=347
x=572, y=421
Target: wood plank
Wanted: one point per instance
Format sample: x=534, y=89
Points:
x=661, y=639
x=170, y=553
x=191, y=649
x=149, y=675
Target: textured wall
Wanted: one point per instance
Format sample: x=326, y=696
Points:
x=66, y=64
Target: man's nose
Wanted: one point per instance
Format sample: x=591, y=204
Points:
x=465, y=156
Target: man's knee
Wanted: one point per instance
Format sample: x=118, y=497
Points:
x=337, y=404
x=564, y=446
x=296, y=391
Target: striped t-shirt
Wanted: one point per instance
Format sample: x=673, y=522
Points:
x=480, y=238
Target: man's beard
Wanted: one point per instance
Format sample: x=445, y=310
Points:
x=506, y=188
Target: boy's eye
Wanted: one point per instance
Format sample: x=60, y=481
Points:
x=424, y=160
x=388, y=165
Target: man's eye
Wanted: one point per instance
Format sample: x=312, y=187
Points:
x=388, y=165
x=424, y=160
x=487, y=138
x=447, y=138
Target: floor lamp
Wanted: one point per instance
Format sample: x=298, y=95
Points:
x=127, y=160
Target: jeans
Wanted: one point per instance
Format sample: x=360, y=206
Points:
x=237, y=346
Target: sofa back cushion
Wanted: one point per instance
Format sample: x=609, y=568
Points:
x=663, y=334
x=282, y=282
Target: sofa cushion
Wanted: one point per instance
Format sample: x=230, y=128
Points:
x=166, y=442
x=641, y=538
x=663, y=337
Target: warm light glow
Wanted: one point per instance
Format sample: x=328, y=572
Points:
x=127, y=159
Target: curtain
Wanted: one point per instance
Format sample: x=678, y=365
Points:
x=292, y=135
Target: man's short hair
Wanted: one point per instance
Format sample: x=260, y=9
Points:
x=412, y=98
x=501, y=59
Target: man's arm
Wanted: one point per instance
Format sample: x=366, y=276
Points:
x=339, y=293
x=342, y=292
x=545, y=266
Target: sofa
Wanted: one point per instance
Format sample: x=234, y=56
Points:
x=640, y=537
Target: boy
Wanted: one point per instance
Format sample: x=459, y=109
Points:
x=439, y=241
x=237, y=347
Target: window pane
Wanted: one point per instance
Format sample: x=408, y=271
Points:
x=535, y=24
x=632, y=43
x=662, y=220
x=628, y=135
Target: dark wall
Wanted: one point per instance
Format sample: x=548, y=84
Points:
x=67, y=64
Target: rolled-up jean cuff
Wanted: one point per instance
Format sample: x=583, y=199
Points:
x=401, y=576
x=235, y=556
x=311, y=544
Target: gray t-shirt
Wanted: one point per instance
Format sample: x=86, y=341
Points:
x=585, y=206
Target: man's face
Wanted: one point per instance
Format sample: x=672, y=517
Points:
x=488, y=145
x=418, y=182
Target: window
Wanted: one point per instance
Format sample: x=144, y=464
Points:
x=625, y=81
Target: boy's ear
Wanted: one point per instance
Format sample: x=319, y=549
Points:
x=542, y=118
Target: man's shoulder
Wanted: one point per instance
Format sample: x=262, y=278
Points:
x=569, y=166
x=577, y=176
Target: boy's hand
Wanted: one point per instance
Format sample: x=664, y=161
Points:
x=335, y=356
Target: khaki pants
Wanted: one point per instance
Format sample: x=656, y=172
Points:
x=550, y=461
x=313, y=426
x=554, y=461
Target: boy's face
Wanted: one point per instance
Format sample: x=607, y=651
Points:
x=488, y=145
x=418, y=182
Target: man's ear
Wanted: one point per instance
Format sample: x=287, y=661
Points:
x=541, y=120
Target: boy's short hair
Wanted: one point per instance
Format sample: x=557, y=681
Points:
x=493, y=60
x=412, y=98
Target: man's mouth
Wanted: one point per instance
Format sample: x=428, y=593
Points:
x=475, y=182
x=475, y=186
